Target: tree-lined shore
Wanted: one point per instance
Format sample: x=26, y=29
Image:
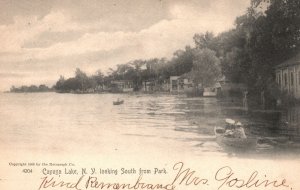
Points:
x=31, y=88
x=265, y=36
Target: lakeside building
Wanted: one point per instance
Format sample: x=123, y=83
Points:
x=174, y=84
x=148, y=86
x=225, y=87
x=155, y=86
x=178, y=84
x=288, y=76
x=122, y=86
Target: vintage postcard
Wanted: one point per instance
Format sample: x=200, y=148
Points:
x=149, y=94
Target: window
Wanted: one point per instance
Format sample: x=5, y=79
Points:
x=285, y=79
x=298, y=77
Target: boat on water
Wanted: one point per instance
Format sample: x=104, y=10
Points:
x=233, y=135
x=118, y=102
x=210, y=92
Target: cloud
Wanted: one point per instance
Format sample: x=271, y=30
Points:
x=26, y=28
x=49, y=38
x=61, y=38
x=14, y=75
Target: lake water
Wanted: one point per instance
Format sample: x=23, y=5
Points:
x=144, y=124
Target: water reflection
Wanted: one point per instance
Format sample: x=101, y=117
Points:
x=152, y=120
x=292, y=122
x=293, y=116
x=277, y=131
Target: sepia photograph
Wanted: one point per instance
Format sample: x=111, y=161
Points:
x=149, y=94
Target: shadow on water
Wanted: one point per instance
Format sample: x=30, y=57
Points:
x=156, y=119
x=277, y=131
x=192, y=120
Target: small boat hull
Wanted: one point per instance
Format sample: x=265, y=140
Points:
x=239, y=143
x=210, y=92
x=118, y=102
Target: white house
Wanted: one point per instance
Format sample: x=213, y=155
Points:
x=179, y=83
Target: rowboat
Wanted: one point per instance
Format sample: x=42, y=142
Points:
x=210, y=92
x=118, y=102
x=234, y=142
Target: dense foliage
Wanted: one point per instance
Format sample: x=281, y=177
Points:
x=200, y=64
x=267, y=35
x=31, y=88
x=260, y=41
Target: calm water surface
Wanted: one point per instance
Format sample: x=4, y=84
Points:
x=144, y=124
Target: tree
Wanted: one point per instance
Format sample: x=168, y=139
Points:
x=275, y=37
x=182, y=61
x=59, y=84
x=206, y=40
x=206, y=67
x=83, y=80
x=98, y=77
x=43, y=88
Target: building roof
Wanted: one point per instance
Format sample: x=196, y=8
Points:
x=186, y=76
x=290, y=62
x=120, y=81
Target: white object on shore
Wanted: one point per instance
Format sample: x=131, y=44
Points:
x=230, y=121
x=239, y=123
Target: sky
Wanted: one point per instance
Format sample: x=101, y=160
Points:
x=43, y=39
